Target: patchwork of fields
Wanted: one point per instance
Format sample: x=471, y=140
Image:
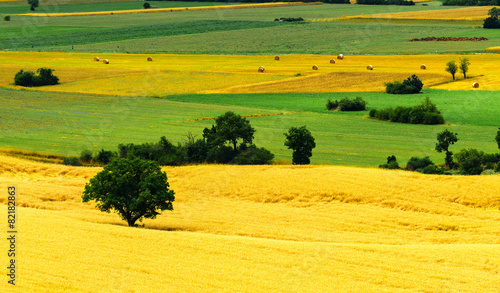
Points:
x=339, y=225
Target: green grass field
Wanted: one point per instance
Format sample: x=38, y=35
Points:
x=239, y=31
x=65, y=124
x=107, y=6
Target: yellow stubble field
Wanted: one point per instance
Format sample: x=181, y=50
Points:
x=261, y=229
x=133, y=75
x=469, y=13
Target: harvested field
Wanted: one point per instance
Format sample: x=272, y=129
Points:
x=132, y=75
x=469, y=13
x=444, y=39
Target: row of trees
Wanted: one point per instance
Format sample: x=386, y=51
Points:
x=467, y=161
x=425, y=113
x=228, y=141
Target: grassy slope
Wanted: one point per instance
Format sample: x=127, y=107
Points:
x=261, y=229
x=36, y=121
x=108, y=6
x=352, y=37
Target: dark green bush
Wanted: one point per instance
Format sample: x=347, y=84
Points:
x=6, y=18
x=24, y=78
x=86, y=156
x=104, y=157
x=416, y=163
x=425, y=113
x=470, y=161
x=346, y=104
x=253, y=156
x=411, y=85
x=197, y=151
x=29, y=79
x=432, y=169
x=71, y=161
x=392, y=163
x=146, y=5
x=221, y=154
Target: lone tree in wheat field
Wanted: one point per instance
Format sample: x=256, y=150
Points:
x=452, y=68
x=135, y=189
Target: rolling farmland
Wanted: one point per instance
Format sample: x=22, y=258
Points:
x=338, y=225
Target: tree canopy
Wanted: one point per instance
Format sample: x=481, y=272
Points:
x=135, y=189
x=301, y=141
x=229, y=128
x=452, y=68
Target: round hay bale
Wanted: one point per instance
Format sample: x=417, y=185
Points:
x=369, y=67
x=315, y=67
x=261, y=69
x=332, y=61
x=423, y=66
x=277, y=58
x=96, y=59
x=340, y=56
x=150, y=59
x=475, y=85
x=105, y=61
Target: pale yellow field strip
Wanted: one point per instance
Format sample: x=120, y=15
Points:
x=133, y=75
x=493, y=49
x=261, y=229
x=176, y=9
x=469, y=13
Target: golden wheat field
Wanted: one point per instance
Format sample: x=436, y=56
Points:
x=469, y=13
x=133, y=75
x=261, y=229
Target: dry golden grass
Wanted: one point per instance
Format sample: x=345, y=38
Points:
x=493, y=49
x=132, y=75
x=469, y=13
x=176, y=9
x=261, y=229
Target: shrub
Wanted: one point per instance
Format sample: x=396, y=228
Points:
x=29, y=79
x=346, y=104
x=469, y=161
x=86, y=156
x=6, y=18
x=24, y=78
x=392, y=163
x=196, y=152
x=104, y=157
x=331, y=105
x=425, y=113
x=71, y=161
x=45, y=77
x=416, y=163
x=221, y=154
x=411, y=85
x=146, y=5
x=253, y=156
x=432, y=169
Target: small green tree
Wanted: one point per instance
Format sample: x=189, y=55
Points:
x=135, y=189
x=33, y=4
x=452, y=68
x=6, y=18
x=446, y=138
x=229, y=128
x=146, y=5
x=301, y=141
x=464, y=66
x=470, y=161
